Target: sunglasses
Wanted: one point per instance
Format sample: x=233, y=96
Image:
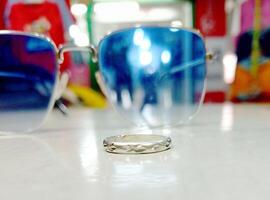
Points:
x=153, y=76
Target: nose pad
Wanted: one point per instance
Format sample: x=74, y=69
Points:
x=62, y=85
x=101, y=83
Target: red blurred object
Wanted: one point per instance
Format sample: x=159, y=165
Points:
x=68, y=3
x=215, y=96
x=210, y=17
x=2, y=8
x=41, y=18
x=44, y=18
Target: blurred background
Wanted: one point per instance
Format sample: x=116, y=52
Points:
x=235, y=31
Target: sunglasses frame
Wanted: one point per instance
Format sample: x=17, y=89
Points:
x=62, y=78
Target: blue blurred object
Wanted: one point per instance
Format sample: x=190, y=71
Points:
x=154, y=75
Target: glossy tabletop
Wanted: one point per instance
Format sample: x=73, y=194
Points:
x=222, y=154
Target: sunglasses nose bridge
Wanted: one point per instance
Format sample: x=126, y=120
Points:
x=69, y=48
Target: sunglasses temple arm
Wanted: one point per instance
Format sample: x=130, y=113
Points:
x=180, y=68
x=101, y=83
x=60, y=88
x=17, y=75
x=61, y=107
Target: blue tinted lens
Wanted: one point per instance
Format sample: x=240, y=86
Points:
x=154, y=75
x=28, y=70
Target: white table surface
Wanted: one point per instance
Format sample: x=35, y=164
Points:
x=224, y=153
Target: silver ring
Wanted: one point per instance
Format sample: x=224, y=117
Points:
x=137, y=144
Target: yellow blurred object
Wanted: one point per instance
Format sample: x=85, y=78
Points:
x=88, y=96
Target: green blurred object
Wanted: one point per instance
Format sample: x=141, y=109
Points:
x=93, y=66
